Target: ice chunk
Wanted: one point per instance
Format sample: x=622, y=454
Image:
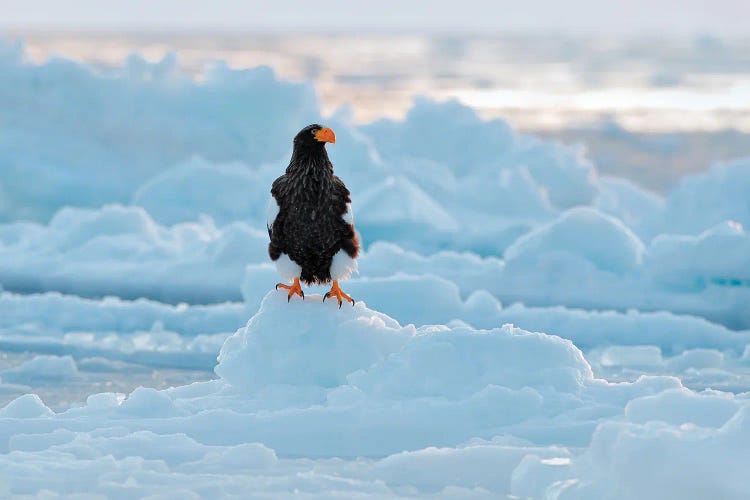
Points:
x=630, y=203
x=658, y=460
x=680, y=406
x=307, y=343
x=615, y=247
x=397, y=202
x=701, y=201
x=719, y=256
x=185, y=192
x=42, y=370
x=147, y=402
x=26, y=406
x=119, y=250
x=129, y=124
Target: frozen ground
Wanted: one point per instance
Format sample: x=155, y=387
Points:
x=525, y=326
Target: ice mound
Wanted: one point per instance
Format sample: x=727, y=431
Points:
x=397, y=202
x=119, y=250
x=703, y=200
x=42, y=369
x=615, y=247
x=453, y=134
x=656, y=460
x=26, y=406
x=137, y=119
x=434, y=364
x=568, y=177
x=307, y=343
x=436, y=131
x=719, y=256
x=421, y=300
x=466, y=269
x=187, y=191
x=53, y=313
x=630, y=203
x=453, y=383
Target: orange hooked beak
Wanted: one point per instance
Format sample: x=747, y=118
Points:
x=326, y=135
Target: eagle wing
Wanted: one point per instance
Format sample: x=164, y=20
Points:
x=350, y=242
x=272, y=212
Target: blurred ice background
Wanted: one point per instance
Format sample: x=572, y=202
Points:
x=650, y=108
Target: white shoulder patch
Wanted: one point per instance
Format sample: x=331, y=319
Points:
x=349, y=216
x=272, y=211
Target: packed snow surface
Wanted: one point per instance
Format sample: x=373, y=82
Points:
x=523, y=326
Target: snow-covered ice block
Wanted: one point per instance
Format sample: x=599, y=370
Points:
x=148, y=402
x=718, y=256
x=486, y=465
x=467, y=270
x=615, y=248
x=119, y=250
x=123, y=127
x=189, y=190
x=658, y=460
x=458, y=362
x=26, y=406
x=54, y=314
x=453, y=134
x=307, y=343
x=630, y=203
x=42, y=370
x=421, y=300
x=397, y=203
x=703, y=200
x=683, y=406
x=697, y=359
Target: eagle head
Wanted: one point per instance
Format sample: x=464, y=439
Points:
x=314, y=136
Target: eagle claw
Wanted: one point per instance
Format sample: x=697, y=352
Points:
x=339, y=294
x=294, y=289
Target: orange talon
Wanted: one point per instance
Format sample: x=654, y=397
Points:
x=338, y=293
x=294, y=289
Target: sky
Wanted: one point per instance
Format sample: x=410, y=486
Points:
x=682, y=17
